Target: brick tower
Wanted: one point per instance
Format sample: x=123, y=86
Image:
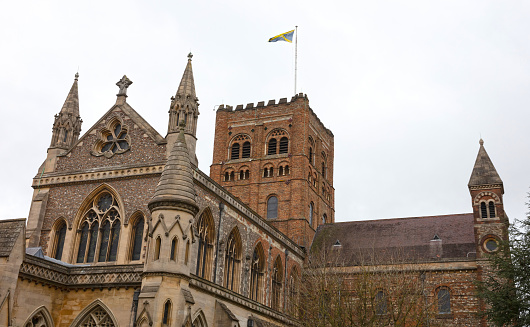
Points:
x=278, y=159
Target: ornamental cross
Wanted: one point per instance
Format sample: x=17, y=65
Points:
x=123, y=84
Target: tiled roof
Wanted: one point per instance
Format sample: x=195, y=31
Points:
x=416, y=238
x=9, y=232
x=484, y=173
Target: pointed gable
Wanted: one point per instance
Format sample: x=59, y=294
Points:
x=484, y=173
x=138, y=143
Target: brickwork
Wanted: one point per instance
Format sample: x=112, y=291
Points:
x=305, y=182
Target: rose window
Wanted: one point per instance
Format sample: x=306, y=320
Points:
x=112, y=141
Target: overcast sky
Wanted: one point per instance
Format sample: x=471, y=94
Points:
x=407, y=87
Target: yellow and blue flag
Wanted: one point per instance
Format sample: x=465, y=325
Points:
x=287, y=36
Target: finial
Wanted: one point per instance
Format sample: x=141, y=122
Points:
x=76, y=76
x=190, y=55
x=123, y=84
x=481, y=142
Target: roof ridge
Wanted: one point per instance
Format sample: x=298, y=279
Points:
x=400, y=218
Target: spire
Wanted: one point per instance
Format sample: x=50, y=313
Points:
x=71, y=104
x=67, y=124
x=175, y=188
x=484, y=172
x=187, y=85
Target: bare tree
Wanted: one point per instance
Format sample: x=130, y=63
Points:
x=374, y=291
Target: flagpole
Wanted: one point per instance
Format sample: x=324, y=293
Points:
x=295, y=57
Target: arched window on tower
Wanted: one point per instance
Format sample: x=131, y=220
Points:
x=233, y=260
x=324, y=218
x=158, y=244
x=483, y=210
x=272, y=208
x=311, y=155
x=491, y=207
x=277, y=277
x=205, y=229
x=271, y=149
x=284, y=145
x=256, y=273
x=235, y=151
x=311, y=214
x=60, y=235
x=232, y=176
x=138, y=233
x=166, y=317
x=174, y=249
x=246, y=150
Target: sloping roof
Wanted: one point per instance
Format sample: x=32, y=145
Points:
x=10, y=230
x=484, y=173
x=402, y=238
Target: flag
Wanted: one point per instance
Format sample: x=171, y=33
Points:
x=287, y=36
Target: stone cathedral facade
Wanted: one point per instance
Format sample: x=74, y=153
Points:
x=125, y=230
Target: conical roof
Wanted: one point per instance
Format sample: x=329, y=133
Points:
x=484, y=173
x=176, y=188
x=71, y=104
x=187, y=84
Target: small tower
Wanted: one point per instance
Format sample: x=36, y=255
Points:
x=66, y=127
x=184, y=108
x=170, y=256
x=486, y=188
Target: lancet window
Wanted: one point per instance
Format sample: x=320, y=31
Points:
x=277, y=278
x=293, y=292
x=233, y=261
x=205, y=229
x=95, y=242
x=60, y=235
x=138, y=233
x=256, y=273
x=272, y=207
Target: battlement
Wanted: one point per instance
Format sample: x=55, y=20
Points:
x=261, y=104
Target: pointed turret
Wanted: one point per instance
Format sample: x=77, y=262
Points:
x=184, y=107
x=176, y=190
x=484, y=173
x=67, y=124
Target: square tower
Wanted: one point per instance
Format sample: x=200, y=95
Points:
x=277, y=159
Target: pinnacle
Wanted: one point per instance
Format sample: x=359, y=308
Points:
x=484, y=172
x=187, y=84
x=71, y=104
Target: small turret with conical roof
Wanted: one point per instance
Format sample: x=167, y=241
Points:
x=184, y=107
x=486, y=189
x=175, y=188
x=67, y=124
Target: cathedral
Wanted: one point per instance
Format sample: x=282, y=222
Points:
x=124, y=229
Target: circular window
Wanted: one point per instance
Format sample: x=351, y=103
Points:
x=105, y=202
x=491, y=245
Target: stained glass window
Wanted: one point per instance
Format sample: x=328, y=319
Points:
x=59, y=241
x=138, y=235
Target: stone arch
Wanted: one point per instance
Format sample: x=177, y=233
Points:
x=482, y=194
x=40, y=317
x=199, y=319
x=55, y=239
x=96, y=312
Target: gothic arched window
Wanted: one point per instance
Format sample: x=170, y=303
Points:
x=256, y=273
x=293, y=292
x=166, y=317
x=233, y=260
x=205, y=229
x=174, y=249
x=138, y=233
x=272, y=207
x=158, y=243
x=380, y=303
x=104, y=212
x=277, y=278
x=311, y=213
x=60, y=235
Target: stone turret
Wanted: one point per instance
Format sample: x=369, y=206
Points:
x=486, y=189
x=184, y=108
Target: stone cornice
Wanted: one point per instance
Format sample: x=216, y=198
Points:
x=485, y=187
x=96, y=276
x=54, y=179
x=239, y=299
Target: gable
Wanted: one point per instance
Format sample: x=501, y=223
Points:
x=121, y=138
